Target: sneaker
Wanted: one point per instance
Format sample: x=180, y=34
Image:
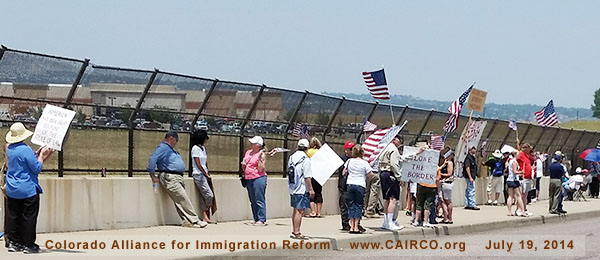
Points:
x=346, y=228
x=428, y=225
x=529, y=214
x=415, y=224
x=200, y=224
x=533, y=200
x=397, y=227
x=396, y=223
x=518, y=212
x=361, y=229
x=35, y=249
x=15, y=247
x=489, y=202
x=260, y=224
x=385, y=226
x=562, y=211
x=495, y=203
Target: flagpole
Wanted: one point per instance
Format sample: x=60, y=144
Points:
x=392, y=111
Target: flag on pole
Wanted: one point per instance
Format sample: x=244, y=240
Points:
x=377, y=141
x=454, y=110
x=437, y=142
x=368, y=126
x=301, y=130
x=547, y=116
x=512, y=124
x=377, y=84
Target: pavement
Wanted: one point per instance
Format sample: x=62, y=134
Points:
x=237, y=239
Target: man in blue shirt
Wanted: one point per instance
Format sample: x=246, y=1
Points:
x=171, y=167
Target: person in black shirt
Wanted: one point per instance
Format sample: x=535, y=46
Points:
x=343, y=191
x=470, y=173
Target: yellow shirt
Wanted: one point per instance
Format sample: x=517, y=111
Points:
x=310, y=152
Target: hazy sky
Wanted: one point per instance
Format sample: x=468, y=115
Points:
x=518, y=51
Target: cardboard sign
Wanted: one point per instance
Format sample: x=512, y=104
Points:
x=52, y=127
x=423, y=168
x=477, y=100
x=469, y=139
x=324, y=163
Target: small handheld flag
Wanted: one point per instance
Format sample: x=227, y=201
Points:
x=512, y=124
x=368, y=126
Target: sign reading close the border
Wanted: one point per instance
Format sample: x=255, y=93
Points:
x=477, y=100
x=423, y=168
x=52, y=127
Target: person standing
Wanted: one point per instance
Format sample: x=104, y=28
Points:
x=525, y=162
x=22, y=190
x=357, y=170
x=470, y=174
x=513, y=184
x=557, y=172
x=446, y=180
x=496, y=172
x=595, y=185
x=390, y=167
x=300, y=186
x=255, y=175
x=539, y=173
x=171, y=167
x=201, y=174
x=343, y=189
x=316, y=201
x=426, y=194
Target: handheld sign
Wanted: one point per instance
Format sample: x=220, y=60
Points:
x=324, y=163
x=52, y=127
x=470, y=138
x=421, y=169
x=477, y=100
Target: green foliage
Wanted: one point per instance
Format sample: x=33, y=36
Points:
x=596, y=105
x=163, y=116
x=80, y=116
x=322, y=118
x=35, y=112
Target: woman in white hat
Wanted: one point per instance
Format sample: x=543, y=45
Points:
x=255, y=176
x=22, y=189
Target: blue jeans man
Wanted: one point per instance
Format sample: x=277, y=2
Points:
x=470, y=194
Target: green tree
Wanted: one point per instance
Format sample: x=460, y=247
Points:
x=596, y=105
x=322, y=118
x=80, y=116
x=288, y=115
x=162, y=115
x=36, y=112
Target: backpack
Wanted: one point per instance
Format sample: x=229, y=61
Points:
x=291, y=171
x=498, y=170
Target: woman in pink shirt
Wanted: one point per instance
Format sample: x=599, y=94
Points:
x=256, y=180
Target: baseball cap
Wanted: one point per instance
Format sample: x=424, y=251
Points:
x=303, y=143
x=348, y=145
x=256, y=140
x=497, y=154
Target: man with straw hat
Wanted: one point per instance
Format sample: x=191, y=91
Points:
x=22, y=189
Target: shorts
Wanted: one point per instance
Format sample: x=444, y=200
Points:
x=497, y=184
x=425, y=197
x=300, y=201
x=390, y=187
x=446, y=191
x=526, y=186
x=318, y=198
x=513, y=184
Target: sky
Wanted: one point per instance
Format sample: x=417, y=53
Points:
x=520, y=52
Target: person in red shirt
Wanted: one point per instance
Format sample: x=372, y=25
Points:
x=525, y=162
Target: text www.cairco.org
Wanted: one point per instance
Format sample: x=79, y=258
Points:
x=423, y=244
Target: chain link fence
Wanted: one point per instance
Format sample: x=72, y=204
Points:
x=122, y=114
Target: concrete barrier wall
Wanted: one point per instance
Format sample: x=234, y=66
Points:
x=94, y=203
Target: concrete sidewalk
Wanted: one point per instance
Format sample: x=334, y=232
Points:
x=182, y=242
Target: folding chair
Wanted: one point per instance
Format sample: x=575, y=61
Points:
x=579, y=193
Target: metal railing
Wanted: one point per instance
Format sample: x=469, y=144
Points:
x=231, y=111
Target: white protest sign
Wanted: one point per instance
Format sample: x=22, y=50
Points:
x=470, y=139
x=324, y=163
x=52, y=127
x=421, y=169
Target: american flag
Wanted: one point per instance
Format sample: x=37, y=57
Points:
x=377, y=84
x=377, y=141
x=512, y=124
x=368, y=126
x=547, y=116
x=454, y=109
x=301, y=130
x=437, y=142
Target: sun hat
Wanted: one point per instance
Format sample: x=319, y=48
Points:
x=256, y=140
x=303, y=143
x=497, y=154
x=448, y=154
x=17, y=133
x=348, y=145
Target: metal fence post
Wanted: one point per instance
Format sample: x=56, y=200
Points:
x=492, y=129
x=61, y=156
x=526, y=131
x=578, y=144
x=566, y=139
x=243, y=126
x=335, y=113
x=539, y=137
x=132, y=117
x=553, y=139
x=196, y=116
x=287, y=129
x=505, y=138
x=424, y=125
x=2, y=50
x=368, y=119
x=401, y=115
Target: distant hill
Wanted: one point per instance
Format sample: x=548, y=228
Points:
x=522, y=113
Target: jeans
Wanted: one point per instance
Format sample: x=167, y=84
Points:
x=356, y=195
x=433, y=212
x=470, y=194
x=256, y=192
